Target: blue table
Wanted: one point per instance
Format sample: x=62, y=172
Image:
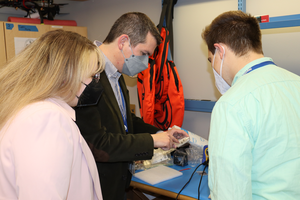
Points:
x=171, y=187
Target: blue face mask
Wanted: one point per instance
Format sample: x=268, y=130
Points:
x=134, y=64
x=221, y=84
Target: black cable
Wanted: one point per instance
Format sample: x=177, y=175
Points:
x=200, y=182
x=189, y=180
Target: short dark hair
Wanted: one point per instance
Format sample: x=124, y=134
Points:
x=136, y=25
x=238, y=30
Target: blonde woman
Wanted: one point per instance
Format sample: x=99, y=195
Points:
x=42, y=153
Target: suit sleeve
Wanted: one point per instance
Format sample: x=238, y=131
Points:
x=139, y=126
x=112, y=147
x=43, y=154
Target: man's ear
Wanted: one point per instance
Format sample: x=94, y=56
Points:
x=220, y=48
x=122, y=39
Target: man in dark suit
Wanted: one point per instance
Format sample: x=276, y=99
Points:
x=115, y=135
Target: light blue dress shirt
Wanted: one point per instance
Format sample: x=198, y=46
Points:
x=113, y=76
x=254, y=141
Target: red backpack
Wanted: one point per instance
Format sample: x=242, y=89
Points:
x=160, y=91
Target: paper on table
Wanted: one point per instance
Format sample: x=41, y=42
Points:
x=158, y=174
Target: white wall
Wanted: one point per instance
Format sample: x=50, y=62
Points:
x=280, y=44
x=190, y=55
x=273, y=7
x=6, y=12
x=99, y=15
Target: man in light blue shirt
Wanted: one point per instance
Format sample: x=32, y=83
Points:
x=254, y=141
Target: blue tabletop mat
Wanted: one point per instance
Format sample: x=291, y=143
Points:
x=176, y=184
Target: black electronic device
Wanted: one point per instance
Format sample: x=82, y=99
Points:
x=46, y=9
x=180, y=157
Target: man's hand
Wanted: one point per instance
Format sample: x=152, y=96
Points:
x=177, y=133
x=165, y=140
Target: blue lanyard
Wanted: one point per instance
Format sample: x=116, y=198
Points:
x=123, y=114
x=258, y=66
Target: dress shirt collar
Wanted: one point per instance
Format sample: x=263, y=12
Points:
x=110, y=70
x=246, y=67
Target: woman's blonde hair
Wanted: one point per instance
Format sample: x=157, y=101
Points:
x=53, y=66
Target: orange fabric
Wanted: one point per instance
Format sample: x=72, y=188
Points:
x=160, y=91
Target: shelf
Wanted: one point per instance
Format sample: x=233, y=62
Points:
x=242, y=5
x=275, y=22
x=281, y=22
x=198, y=105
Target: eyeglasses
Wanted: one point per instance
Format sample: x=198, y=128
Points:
x=96, y=77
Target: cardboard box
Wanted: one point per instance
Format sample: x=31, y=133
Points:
x=2, y=46
x=19, y=35
x=78, y=29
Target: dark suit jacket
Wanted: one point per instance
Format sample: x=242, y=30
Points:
x=102, y=127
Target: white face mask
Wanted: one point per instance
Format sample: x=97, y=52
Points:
x=221, y=84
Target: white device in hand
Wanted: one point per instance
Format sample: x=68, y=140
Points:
x=182, y=141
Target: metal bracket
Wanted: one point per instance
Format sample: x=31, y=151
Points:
x=242, y=5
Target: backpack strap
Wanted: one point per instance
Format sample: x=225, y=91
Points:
x=167, y=16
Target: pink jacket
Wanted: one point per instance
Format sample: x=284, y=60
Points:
x=44, y=156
